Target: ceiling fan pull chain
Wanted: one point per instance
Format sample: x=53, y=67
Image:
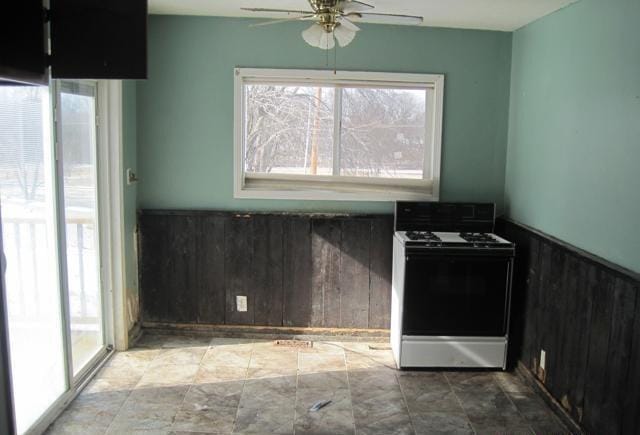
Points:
x=327, y=54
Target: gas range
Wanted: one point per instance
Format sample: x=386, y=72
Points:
x=451, y=289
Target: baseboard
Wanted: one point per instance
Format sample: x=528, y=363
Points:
x=557, y=408
x=268, y=332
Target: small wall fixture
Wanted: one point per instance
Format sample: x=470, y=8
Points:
x=131, y=176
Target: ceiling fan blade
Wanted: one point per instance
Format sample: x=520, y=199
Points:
x=286, y=11
x=284, y=20
x=347, y=6
x=348, y=24
x=370, y=17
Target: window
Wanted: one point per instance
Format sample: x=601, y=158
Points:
x=345, y=135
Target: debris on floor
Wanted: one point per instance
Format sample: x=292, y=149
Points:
x=319, y=405
x=293, y=343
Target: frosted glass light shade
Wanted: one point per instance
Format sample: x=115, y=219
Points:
x=343, y=35
x=316, y=36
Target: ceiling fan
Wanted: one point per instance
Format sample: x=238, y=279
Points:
x=334, y=20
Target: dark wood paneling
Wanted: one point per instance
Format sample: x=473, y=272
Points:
x=585, y=313
x=267, y=270
x=598, y=348
x=380, y=265
x=153, y=269
x=578, y=342
x=631, y=402
x=354, y=273
x=181, y=269
x=210, y=261
x=298, y=270
x=618, y=356
x=238, y=249
x=297, y=265
x=325, y=248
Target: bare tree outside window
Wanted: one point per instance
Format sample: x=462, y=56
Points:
x=383, y=132
x=347, y=135
x=290, y=130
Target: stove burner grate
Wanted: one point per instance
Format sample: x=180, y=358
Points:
x=427, y=236
x=478, y=238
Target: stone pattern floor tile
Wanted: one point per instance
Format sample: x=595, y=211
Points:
x=188, y=385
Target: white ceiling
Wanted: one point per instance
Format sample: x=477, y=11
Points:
x=507, y=15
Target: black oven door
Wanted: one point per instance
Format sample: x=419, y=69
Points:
x=456, y=295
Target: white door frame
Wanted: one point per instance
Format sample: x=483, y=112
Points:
x=111, y=186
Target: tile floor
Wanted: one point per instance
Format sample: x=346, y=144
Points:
x=193, y=385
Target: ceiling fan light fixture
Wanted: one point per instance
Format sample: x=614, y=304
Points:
x=326, y=41
x=316, y=36
x=333, y=20
x=343, y=35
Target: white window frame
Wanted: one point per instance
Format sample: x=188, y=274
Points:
x=332, y=187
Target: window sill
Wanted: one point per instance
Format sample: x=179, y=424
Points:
x=331, y=195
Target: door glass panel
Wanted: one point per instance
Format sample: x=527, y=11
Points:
x=78, y=143
x=29, y=236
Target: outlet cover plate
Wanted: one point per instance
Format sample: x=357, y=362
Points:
x=241, y=303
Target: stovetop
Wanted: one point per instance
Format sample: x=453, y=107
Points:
x=437, y=239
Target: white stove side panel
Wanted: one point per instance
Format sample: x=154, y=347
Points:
x=397, y=296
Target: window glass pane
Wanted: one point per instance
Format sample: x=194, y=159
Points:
x=29, y=239
x=383, y=133
x=289, y=129
x=78, y=128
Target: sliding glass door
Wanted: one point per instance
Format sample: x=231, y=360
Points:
x=51, y=241
x=28, y=204
x=76, y=129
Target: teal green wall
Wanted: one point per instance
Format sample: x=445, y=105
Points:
x=185, y=108
x=573, y=161
x=129, y=158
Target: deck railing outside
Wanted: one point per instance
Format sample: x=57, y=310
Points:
x=23, y=239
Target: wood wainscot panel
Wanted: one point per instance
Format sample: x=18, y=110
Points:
x=326, y=240
x=296, y=270
x=585, y=313
x=267, y=270
x=210, y=261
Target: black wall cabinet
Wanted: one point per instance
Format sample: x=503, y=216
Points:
x=90, y=39
x=99, y=39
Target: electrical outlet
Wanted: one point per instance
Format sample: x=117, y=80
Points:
x=241, y=303
x=543, y=359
